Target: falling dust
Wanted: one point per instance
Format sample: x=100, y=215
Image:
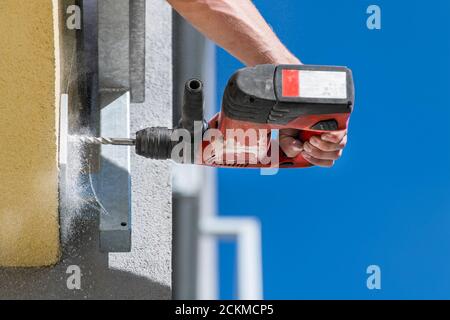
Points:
x=78, y=199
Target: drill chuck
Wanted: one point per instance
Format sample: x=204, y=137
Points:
x=155, y=143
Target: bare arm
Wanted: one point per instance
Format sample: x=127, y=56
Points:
x=238, y=27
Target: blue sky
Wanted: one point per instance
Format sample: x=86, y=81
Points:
x=387, y=201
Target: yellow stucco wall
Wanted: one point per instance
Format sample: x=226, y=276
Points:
x=29, y=91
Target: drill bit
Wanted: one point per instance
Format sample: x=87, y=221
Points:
x=107, y=141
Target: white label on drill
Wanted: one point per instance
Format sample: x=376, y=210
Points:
x=322, y=84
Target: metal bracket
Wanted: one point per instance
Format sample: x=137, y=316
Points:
x=113, y=181
x=121, y=80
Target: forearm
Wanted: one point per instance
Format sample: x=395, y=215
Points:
x=238, y=27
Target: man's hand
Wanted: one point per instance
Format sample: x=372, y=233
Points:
x=320, y=151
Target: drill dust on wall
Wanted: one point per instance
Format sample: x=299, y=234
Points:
x=29, y=91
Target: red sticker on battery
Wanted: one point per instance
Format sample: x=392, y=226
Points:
x=290, y=83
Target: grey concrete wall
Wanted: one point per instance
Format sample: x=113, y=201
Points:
x=151, y=180
x=144, y=273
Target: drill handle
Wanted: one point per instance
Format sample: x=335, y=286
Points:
x=299, y=161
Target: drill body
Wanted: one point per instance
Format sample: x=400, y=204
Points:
x=257, y=100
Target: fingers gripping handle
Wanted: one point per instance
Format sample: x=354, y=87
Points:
x=337, y=123
x=299, y=161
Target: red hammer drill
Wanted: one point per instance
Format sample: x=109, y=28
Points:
x=256, y=101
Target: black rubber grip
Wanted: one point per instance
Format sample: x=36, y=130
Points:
x=155, y=143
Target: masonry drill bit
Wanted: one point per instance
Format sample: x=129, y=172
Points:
x=106, y=141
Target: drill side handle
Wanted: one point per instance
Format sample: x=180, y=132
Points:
x=192, y=109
